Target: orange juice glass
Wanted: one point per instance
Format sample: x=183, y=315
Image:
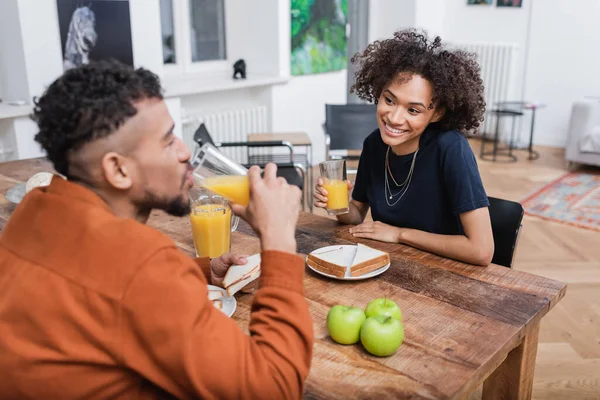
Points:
x=333, y=173
x=212, y=223
x=235, y=188
x=218, y=173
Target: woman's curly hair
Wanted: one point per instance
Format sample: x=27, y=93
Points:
x=453, y=74
x=88, y=103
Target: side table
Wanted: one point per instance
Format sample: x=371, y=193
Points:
x=525, y=105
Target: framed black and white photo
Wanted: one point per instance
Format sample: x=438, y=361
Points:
x=509, y=3
x=94, y=30
x=479, y=2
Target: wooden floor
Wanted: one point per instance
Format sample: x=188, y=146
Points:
x=568, y=360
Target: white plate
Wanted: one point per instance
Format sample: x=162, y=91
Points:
x=349, y=252
x=16, y=193
x=229, y=303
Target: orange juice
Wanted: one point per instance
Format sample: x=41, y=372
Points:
x=337, y=194
x=211, y=228
x=234, y=188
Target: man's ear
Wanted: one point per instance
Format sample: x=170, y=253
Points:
x=116, y=171
x=438, y=114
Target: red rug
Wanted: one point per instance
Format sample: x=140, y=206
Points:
x=572, y=199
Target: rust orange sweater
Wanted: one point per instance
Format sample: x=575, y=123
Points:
x=96, y=306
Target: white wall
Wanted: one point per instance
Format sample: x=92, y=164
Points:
x=388, y=16
x=563, y=63
x=559, y=63
x=41, y=43
x=431, y=16
x=13, y=76
x=146, y=35
x=252, y=34
x=300, y=105
x=490, y=24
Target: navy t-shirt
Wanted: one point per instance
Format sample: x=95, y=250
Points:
x=445, y=182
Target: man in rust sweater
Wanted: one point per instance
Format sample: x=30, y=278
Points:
x=95, y=304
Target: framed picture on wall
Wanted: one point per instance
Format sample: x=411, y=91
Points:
x=94, y=30
x=508, y=3
x=318, y=36
x=479, y=2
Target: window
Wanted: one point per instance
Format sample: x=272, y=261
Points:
x=167, y=26
x=193, y=34
x=207, y=30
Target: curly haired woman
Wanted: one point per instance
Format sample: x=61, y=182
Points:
x=417, y=172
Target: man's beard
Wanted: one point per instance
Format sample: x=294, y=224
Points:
x=177, y=207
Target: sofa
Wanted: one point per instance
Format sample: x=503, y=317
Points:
x=583, y=141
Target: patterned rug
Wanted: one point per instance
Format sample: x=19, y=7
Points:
x=572, y=199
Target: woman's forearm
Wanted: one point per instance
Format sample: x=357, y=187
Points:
x=458, y=247
x=353, y=217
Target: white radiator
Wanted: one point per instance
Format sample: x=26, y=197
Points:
x=498, y=72
x=228, y=126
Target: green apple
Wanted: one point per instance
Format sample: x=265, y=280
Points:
x=385, y=307
x=382, y=335
x=344, y=323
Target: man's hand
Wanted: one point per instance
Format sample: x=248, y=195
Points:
x=273, y=209
x=220, y=265
x=377, y=231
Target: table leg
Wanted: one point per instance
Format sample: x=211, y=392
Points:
x=513, y=379
x=533, y=155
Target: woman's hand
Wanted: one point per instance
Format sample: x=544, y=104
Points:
x=320, y=194
x=377, y=231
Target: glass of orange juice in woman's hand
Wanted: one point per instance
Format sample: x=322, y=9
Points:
x=334, y=197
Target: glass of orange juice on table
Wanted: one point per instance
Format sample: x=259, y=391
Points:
x=212, y=223
x=219, y=174
x=333, y=173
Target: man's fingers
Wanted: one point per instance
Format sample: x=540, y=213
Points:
x=238, y=210
x=251, y=287
x=319, y=181
x=254, y=175
x=270, y=172
x=320, y=204
x=234, y=259
x=350, y=185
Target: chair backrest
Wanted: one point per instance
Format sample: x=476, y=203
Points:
x=201, y=136
x=349, y=124
x=506, y=217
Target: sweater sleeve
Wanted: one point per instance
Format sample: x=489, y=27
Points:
x=204, y=264
x=175, y=338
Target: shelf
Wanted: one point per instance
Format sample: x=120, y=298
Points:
x=189, y=85
x=9, y=111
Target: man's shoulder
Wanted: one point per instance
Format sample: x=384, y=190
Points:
x=86, y=246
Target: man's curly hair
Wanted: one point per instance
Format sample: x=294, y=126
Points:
x=453, y=74
x=88, y=103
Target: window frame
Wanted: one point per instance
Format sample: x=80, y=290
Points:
x=182, y=25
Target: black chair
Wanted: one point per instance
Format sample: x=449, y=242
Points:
x=506, y=217
x=293, y=173
x=346, y=127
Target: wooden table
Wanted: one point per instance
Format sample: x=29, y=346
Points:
x=464, y=325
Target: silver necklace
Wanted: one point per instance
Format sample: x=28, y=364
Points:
x=403, y=186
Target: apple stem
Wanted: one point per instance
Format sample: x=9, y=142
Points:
x=387, y=319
